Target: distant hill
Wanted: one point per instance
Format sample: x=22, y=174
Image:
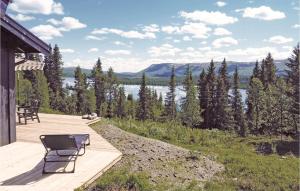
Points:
x=163, y=70
x=69, y=71
x=245, y=68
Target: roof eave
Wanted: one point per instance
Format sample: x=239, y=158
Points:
x=23, y=34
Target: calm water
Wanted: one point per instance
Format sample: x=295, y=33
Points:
x=134, y=90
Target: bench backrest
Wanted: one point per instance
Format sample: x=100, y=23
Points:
x=59, y=142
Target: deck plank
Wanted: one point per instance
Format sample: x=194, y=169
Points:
x=21, y=162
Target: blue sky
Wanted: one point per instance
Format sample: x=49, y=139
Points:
x=130, y=35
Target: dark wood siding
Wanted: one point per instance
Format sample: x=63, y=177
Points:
x=7, y=92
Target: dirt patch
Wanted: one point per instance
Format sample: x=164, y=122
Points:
x=161, y=160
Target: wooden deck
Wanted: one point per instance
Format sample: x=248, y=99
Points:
x=21, y=162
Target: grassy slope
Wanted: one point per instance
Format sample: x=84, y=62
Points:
x=244, y=168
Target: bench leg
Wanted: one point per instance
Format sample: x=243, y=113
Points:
x=37, y=116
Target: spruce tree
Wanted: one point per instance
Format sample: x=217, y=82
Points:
x=223, y=110
x=80, y=89
x=293, y=77
x=283, y=103
x=257, y=112
x=203, y=98
x=121, y=103
x=111, y=90
x=98, y=80
x=143, y=110
x=239, y=120
x=211, y=96
x=131, y=106
x=223, y=74
x=170, y=105
x=53, y=73
x=57, y=85
x=263, y=73
x=256, y=71
x=270, y=70
x=190, y=115
x=223, y=113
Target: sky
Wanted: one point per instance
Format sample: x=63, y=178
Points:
x=130, y=35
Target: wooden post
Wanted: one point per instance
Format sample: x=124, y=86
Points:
x=7, y=94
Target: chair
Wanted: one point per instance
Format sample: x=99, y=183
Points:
x=29, y=112
x=73, y=145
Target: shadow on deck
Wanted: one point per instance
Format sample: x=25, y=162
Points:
x=21, y=163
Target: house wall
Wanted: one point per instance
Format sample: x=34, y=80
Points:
x=7, y=92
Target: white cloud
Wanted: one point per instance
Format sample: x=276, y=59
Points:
x=296, y=26
x=170, y=29
x=117, y=52
x=206, y=48
x=67, y=23
x=278, y=39
x=45, y=7
x=176, y=41
x=67, y=50
x=163, y=50
x=46, y=32
x=221, y=31
x=93, y=50
x=262, y=13
x=119, y=43
x=220, y=3
x=151, y=28
x=224, y=42
x=125, y=34
x=186, y=38
x=190, y=49
x=213, y=17
x=91, y=37
x=20, y=17
x=198, y=30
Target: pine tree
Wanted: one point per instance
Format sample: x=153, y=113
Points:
x=223, y=110
x=283, y=104
x=190, y=115
x=131, y=106
x=224, y=75
x=80, y=89
x=239, y=120
x=42, y=89
x=211, y=97
x=263, y=73
x=256, y=71
x=111, y=90
x=257, y=100
x=121, y=103
x=160, y=101
x=98, y=80
x=53, y=73
x=57, y=85
x=203, y=97
x=170, y=105
x=143, y=110
x=223, y=113
x=293, y=77
x=270, y=70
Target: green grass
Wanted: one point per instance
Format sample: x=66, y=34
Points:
x=244, y=168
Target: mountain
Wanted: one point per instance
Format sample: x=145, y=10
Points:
x=163, y=70
x=245, y=68
x=69, y=71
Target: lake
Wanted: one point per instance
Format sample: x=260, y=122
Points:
x=134, y=90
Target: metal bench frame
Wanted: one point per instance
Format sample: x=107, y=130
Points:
x=64, y=142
